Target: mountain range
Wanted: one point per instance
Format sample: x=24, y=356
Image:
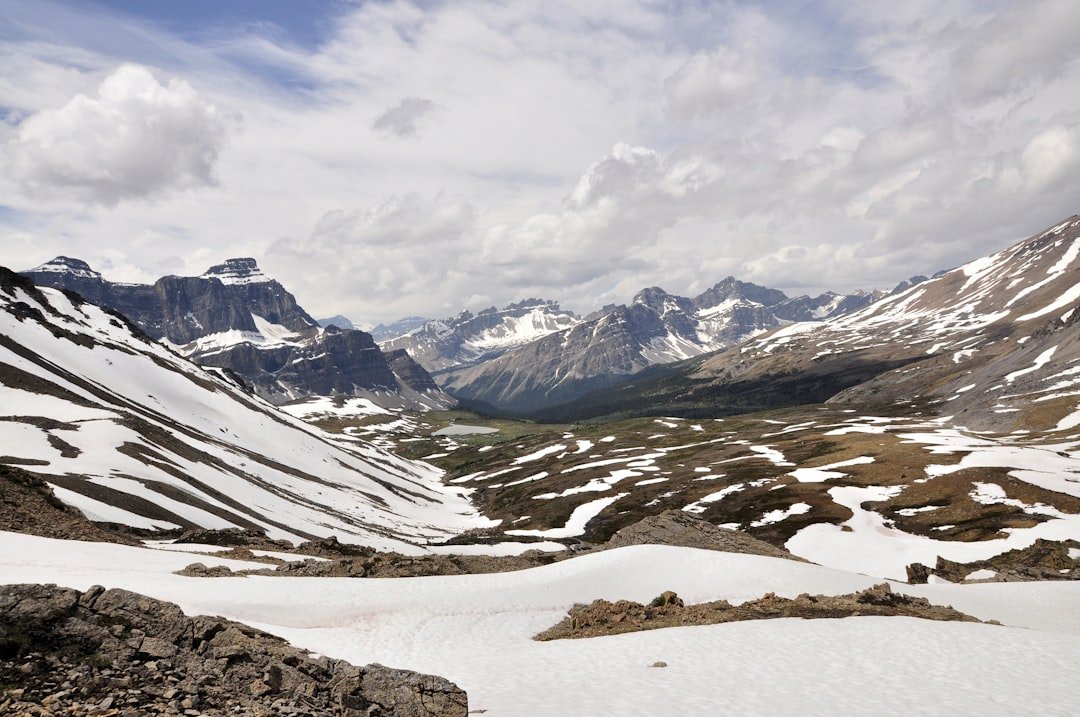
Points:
x=993, y=341
x=532, y=355
x=128, y=432
x=929, y=437
x=236, y=318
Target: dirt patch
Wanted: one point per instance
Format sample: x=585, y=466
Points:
x=612, y=618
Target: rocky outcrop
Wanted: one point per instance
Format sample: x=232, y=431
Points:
x=1043, y=560
x=371, y=564
x=602, y=617
x=676, y=527
x=114, y=652
x=332, y=361
x=27, y=505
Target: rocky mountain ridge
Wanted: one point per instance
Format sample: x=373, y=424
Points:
x=470, y=338
x=994, y=340
x=129, y=433
x=655, y=328
x=110, y=652
x=235, y=317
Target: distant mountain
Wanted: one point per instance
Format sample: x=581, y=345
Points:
x=339, y=321
x=123, y=429
x=656, y=328
x=386, y=332
x=235, y=317
x=994, y=343
x=469, y=338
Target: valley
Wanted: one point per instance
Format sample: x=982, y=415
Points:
x=904, y=464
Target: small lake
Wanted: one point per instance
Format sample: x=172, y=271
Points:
x=461, y=429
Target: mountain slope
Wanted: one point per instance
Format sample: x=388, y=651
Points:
x=656, y=328
x=985, y=339
x=130, y=433
x=234, y=316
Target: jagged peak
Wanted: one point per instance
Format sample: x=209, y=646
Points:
x=240, y=270
x=649, y=291
x=533, y=303
x=730, y=288
x=66, y=265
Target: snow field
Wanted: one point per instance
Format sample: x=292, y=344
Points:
x=476, y=630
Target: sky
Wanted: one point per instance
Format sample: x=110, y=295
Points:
x=384, y=159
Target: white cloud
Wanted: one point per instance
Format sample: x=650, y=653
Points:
x=1051, y=156
x=806, y=146
x=405, y=252
x=136, y=138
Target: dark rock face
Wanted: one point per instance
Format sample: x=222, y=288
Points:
x=259, y=330
x=412, y=373
x=138, y=302
x=732, y=288
x=116, y=652
x=334, y=362
x=197, y=306
x=184, y=308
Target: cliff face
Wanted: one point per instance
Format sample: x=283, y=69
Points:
x=235, y=317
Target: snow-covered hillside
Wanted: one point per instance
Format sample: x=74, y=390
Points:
x=128, y=432
x=476, y=630
x=235, y=317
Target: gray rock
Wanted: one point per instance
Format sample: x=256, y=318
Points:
x=101, y=639
x=675, y=527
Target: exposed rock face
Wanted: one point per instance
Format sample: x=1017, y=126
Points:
x=333, y=361
x=602, y=617
x=676, y=527
x=108, y=652
x=27, y=505
x=235, y=317
x=1043, y=560
x=409, y=371
x=656, y=328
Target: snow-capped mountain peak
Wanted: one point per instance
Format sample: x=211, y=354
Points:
x=67, y=265
x=241, y=270
x=468, y=337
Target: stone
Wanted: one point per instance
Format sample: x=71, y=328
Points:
x=61, y=634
